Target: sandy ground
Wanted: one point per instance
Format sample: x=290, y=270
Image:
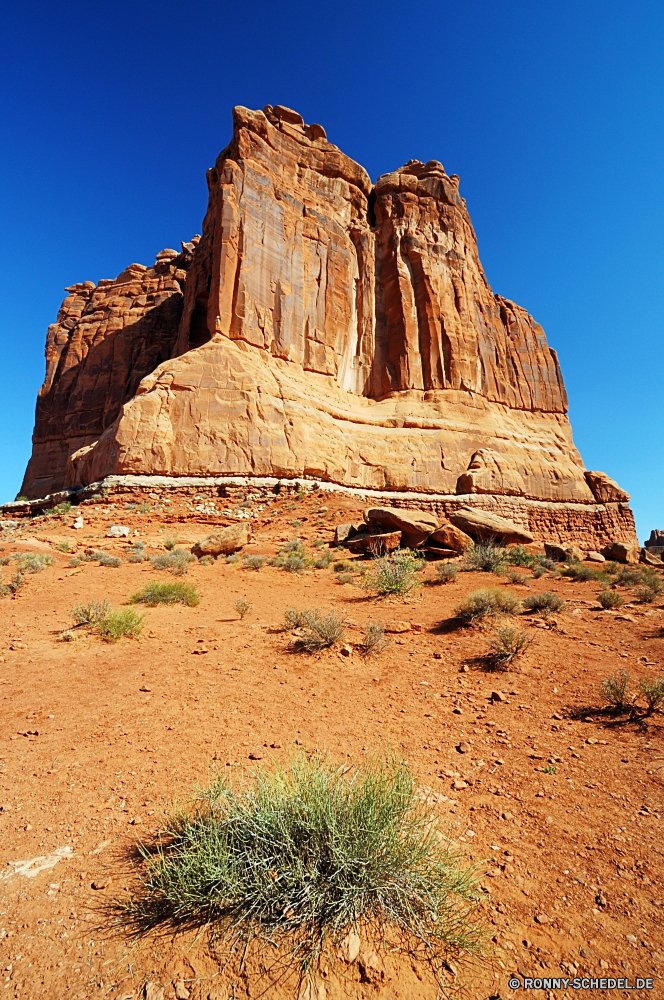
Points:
x=97, y=740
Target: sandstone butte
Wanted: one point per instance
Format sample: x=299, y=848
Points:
x=321, y=328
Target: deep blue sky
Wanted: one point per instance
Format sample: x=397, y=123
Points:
x=551, y=113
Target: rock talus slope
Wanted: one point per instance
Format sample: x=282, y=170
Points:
x=327, y=328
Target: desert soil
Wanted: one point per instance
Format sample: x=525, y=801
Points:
x=560, y=802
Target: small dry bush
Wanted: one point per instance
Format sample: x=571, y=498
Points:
x=652, y=692
x=137, y=553
x=627, y=576
x=507, y=644
x=158, y=592
x=106, y=559
x=75, y=561
x=485, y=556
x=254, y=562
x=651, y=589
x=374, y=640
x=177, y=561
x=515, y=575
x=232, y=558
x=545, y=603
x=243, y=607
x=320, y=631
x=305, y=852
x=293, y=618
x=170, y=542
x=446, y=572
x=63, y=547
x=615, y=690
x=91, y=613
x=577, y=571
x=610, y=599
x=343, y=578
x=294, y=564
x=206, y=561
x=395, y=574
x=32, y=562
x=343, y=566
x=486, y=603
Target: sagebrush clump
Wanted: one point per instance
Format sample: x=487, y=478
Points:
x=319, y=631
x=615, y=690
x=158, y=592
x=446, y=572
x=396, y=574
x=545, y=603
x=485, y=556
x=506, y=645
x=110, y=624
x=374, y=640
x=486, y=603
x=610, y=599
x=177, y=561
x=307, y=852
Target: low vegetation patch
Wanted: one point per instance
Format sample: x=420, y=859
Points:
x=518, y=556
x=652, y=692
x=32, y=562
x=610, y=599
x=446, y=572
x=317, y=631
x=243, y=607
x=110, y=624
x=516, y=576
x=507, y=644
x=485, y=556
x=546, y=603
x=577, y=571
x=106, y=559
x=374, y=640
x=254, y=562
x=486, y=603
x=395, y=574
x=157, y=592
x=304, y=854
x=177, y=561
x=616, y=692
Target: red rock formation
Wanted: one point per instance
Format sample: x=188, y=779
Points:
x=106, y=339
x=328, y=329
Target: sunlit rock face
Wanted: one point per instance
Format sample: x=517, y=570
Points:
x=320, y=326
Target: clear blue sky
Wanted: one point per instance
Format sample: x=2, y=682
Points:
x=551, y=113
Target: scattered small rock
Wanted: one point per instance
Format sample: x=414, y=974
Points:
x=181, y=991
x=464, y=747
x=117, y=531
x=497, y=696
x=145, y=689
x=349, y=948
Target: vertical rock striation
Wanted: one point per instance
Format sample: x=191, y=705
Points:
x=326, y=328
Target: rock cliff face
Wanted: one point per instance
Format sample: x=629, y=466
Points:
x=326, y=328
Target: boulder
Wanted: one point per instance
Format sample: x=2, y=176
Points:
x=375, y=544
x=622, y=552
x=448, y=536
x=593, y=556
x=648, y=557
x=343, y=532
x=117, y=531
x=481, y=524
x=605, y=490
x=223, y=542
x=565, y=553
x=415, y=525
x=438, y=553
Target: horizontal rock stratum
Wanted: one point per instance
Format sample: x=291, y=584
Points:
x=321, y=327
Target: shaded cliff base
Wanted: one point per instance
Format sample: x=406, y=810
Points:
x=590, y=526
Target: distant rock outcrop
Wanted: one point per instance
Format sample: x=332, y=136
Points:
x=321, y=327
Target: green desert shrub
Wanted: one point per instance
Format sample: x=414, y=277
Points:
x=577, y=571
x=63, y=547
x=615, y=690
x=342, y=578
x=485, y=556
x=652, y=692
x=302, y=854
x=119, y=623
x=243, y=607
x=75, y=561
x=507, y=644
x=170, y=542
x=545, y=603
x=395, y=574
x=206, y=561
x=486, y=603
x=159, y=592
x=651, y=587
x=516, y=576
x=446, y=572
x=627, y=576
x=518, y=556
x=610, y=599
x=177, y=561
